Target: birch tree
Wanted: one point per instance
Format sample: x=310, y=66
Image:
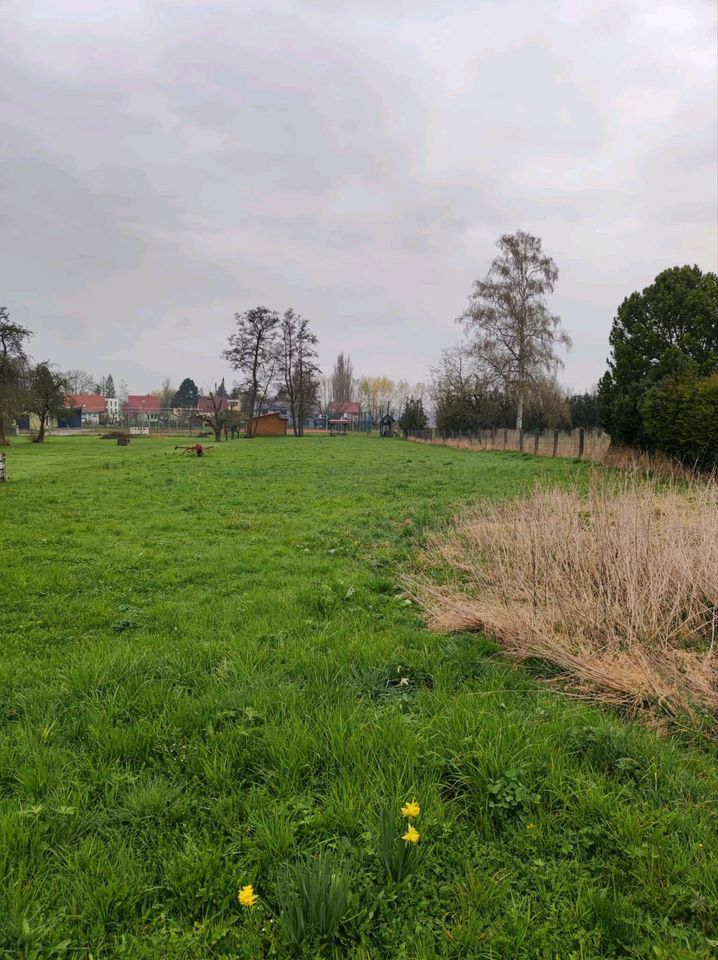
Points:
x=515, y=335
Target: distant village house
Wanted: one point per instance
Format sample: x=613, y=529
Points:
x=345, y=410
x=143, y=409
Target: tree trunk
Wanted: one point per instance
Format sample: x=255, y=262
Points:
x=4, y=442
x=250, y=417
x=295, y=414
x=218, y=434
x=520, y=409
x=41, y=434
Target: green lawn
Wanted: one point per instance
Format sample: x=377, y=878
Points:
x=208, y=670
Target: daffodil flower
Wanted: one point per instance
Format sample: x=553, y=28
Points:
x=246, y=896
x=411, y=835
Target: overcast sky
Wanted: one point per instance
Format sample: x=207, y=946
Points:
x=167, y=164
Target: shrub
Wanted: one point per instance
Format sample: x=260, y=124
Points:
x=680, y=418
x=667, y=329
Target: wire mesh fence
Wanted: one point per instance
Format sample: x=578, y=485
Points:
x=588, y=444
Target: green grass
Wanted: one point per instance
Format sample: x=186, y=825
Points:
x=200, y=686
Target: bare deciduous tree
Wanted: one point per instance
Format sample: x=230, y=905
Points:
x=376, y=395
x=79, y=381
x=252, y=351
x=552, y=402
x=297, y=361
x=325, y=395
x=342, y=379
x=165, y=393
x=215, y=413
x=516, y=335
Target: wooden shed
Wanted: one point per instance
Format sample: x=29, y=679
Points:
x=270, y=425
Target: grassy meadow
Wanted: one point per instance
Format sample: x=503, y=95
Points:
x=209, y=673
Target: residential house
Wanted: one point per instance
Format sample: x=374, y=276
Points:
x=91, y=407
x=206, y=405
x=113, y=409
x=30, y=422
x=143, y=409
x=345, y=410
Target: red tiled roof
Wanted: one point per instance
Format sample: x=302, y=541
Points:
x=205, y=405
x=139, y=402
x=345, y=406
x=90, y=402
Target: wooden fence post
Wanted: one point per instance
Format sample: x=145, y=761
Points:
x=581, y=435
x=506, y=437
x=521, y=440
x=555, y=443
x=536, y=443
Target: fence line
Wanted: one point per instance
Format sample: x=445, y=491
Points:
x=583, y=443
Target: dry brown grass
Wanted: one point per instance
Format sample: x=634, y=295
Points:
x=619, y=590
x=654, y=465
x=597, y=449
x=596, y=443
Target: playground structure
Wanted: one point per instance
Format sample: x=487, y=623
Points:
x=338, y=428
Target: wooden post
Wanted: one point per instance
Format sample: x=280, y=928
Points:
x=506, y=437
x=3, y=468
x=536, y=442
x=555, y=443
x=521, y=440
x=581, y=435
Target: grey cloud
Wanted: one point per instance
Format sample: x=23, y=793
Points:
x=164, y=165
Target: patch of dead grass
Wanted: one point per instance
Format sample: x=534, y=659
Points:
x=617, y=589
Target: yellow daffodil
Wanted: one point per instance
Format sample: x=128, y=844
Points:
x=530, y=826
x=246, y=896
x=411, y=835
x=411, y=809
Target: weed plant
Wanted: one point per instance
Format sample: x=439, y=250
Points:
x=313, y=897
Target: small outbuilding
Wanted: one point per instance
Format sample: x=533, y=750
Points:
x=386, y=426
x=270, y=425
